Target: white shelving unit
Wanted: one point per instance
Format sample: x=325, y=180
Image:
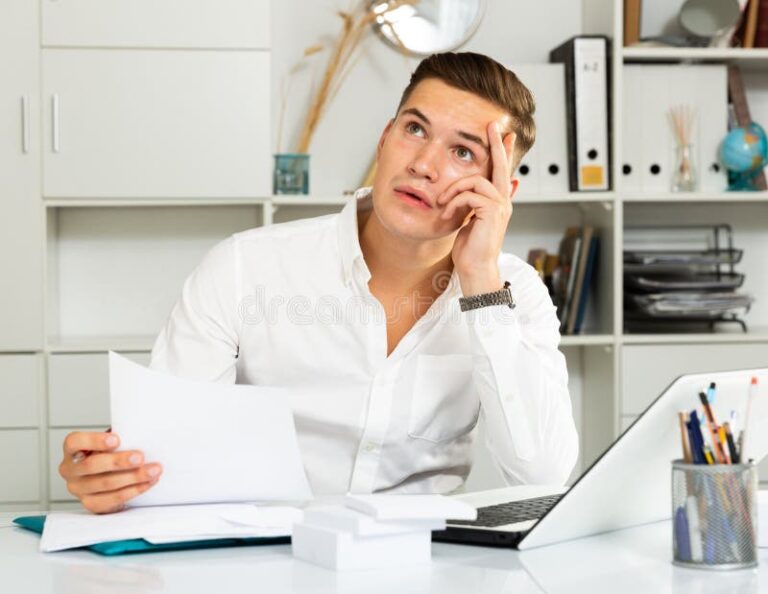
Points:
x=101, y=264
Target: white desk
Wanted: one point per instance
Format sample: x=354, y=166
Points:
x=634, y=560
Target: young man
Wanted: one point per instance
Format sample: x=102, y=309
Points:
x=394, y=320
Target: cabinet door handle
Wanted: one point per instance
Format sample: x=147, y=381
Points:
x=24, y=124
x=55, y=120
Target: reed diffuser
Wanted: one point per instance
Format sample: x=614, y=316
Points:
x=684, y=177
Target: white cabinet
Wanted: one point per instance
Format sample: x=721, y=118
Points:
x=20, y=390
x=78, y=388
x=21, y=216
x=20, y=465
x=156, y=23
x=156, y=124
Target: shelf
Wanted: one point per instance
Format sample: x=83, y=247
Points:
x=98, y=344
x=745, y=57
x=143, y=202
x=573, y=197
x=290, y=200
x=300, y=200
x=757, y=335
x=587, y=340
x=699, y=197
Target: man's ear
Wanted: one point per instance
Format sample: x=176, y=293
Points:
x=513, y=190
x=383, y=137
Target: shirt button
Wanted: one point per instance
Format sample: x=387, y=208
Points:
x=369, y=446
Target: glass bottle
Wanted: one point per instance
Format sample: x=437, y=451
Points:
x=684, y=173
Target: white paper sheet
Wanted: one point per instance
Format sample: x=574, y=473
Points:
x=216, y=442
x=162, y=524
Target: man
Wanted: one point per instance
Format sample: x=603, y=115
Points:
x=391, y=320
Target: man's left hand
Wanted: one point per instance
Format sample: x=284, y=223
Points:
x=479, y=242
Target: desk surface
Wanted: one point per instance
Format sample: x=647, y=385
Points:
x=628, y=561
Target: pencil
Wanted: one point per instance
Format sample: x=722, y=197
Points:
x=684, y=437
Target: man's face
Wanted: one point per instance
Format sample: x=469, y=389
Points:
x=438, y=136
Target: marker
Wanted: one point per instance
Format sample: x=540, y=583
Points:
x=747, y=418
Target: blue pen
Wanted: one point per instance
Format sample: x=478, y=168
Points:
x=682, y=538
x=695, y=449
x=711, y=393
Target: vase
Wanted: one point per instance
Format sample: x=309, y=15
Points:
x=291, y=174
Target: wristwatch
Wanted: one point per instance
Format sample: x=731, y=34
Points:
x=501, y=297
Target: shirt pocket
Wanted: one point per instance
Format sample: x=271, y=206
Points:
x=444, y=402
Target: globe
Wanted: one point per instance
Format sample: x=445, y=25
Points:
x=745, y=150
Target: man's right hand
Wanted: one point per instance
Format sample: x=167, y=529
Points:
x=104, y=479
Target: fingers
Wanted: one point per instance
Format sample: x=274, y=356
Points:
x=104, y=503
x=476, y=201
x=501, y=158
x=474, y=183
x=78, y=441
x=113, y=481
x=106, y=462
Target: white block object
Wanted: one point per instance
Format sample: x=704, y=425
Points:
x=342, y=551
x=411, y=507
x=344, y=519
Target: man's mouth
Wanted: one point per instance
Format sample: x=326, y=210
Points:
x=414, y=194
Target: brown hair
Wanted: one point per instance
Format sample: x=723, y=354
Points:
x=486, y=78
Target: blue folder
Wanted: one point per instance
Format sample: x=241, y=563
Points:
x=139, y=545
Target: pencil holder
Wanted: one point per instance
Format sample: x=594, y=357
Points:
x=714, y=515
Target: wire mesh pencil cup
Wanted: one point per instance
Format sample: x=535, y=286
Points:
x=714, y=515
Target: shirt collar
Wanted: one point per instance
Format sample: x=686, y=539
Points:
x=349, y=242
x=349, y=238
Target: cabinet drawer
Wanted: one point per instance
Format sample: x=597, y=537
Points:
x=157, y=23
x=19, y=465
x=78, y=388
x=648, y=369
x=156, y=124
x=20, y=383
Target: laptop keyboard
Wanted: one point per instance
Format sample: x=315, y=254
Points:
x=511, y=512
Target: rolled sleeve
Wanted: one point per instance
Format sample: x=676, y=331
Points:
x=522, y=382
x=200, y=339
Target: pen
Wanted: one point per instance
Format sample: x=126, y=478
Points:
x=724, y=444
x=712, y=426
x=731, y=444
x=711, y=393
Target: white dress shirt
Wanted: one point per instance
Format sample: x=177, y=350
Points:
x=289, y=305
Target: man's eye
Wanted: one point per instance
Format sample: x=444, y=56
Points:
x=465, y=154
x=413, y=128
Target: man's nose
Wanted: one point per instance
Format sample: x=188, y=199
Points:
x=425, y=162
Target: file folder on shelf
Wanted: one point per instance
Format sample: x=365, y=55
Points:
x=649, y=145
x=588, y=108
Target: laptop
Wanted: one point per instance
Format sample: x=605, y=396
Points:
x=629, y=485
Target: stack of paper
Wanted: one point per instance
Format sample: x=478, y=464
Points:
x=374, y=531
x=165, y=524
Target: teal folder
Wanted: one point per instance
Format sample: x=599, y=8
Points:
x=139, y=545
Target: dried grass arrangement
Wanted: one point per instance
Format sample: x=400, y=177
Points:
x=355, y=24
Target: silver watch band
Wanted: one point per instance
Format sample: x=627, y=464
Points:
x=501, y=297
